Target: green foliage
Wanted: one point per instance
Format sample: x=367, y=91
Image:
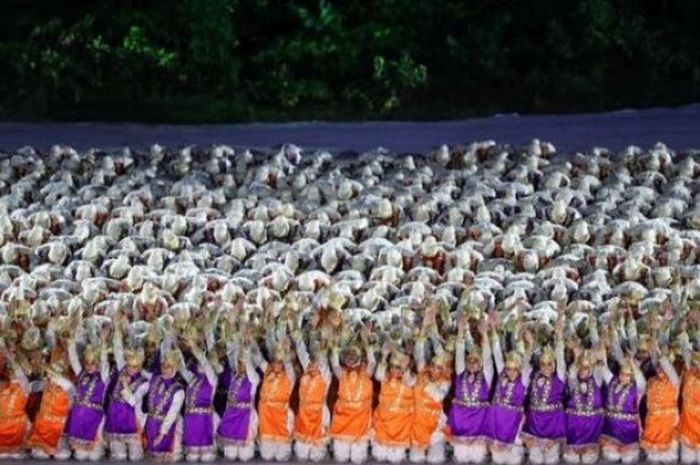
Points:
x=202, y=60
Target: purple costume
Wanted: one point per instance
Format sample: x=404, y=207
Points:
x=470, y=406
x=506, y=411
x=584, y=416
x=198, y=423
x=160, y=398
x=87, y=411
x=621, y=425
x=545, y=422
x=121, y=424
x=233, y=429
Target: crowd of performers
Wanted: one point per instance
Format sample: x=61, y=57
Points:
x=312, y=388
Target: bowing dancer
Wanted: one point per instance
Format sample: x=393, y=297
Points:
x=468, y=415
x=506, y=411
x=274, y=413
x=393, y=417
x=659, y=439
x=163, y=430
x=620, y=438
x=313, y=417
x=200, y=422
x=125, y=418
x=14, y=423
x=47, y=438
x=352, y=412
x=585, y=411
x=429, y=392
x=545, y=423
x=239, y=423
x=86, y=421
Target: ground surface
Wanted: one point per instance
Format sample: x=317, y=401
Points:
x=677, y=127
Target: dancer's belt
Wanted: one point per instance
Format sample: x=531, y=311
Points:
x=622, y=416
x=586, y=413
x=471, y=403
x=546, y=408
x=199, y=410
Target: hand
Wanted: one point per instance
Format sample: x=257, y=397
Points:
x=528, y=337
x=126, y=392
x=483, y=326
x=461, y=324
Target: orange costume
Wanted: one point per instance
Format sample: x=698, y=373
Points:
x=13, y=419
x=309, y=426
x=393, y=418
x=428, y=413
x=51, y=419
x=273, y=409
x=352, y=412
x=662, y=417
x=689, y=427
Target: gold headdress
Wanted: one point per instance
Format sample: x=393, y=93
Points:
x=547, y=356
x=513, y=360
x=396, y=360
x=91, y=354
x=584, y=360
x=626, y=368
x=134, y=357
x=474, y=354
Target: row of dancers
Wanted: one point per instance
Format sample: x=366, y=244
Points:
x=466, y=383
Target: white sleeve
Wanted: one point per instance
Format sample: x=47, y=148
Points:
x=206, y=367
x=104, y=365
x=670, y=372
x=73, y=357
x=291, y=374
x=118, y=347
x=302, y=353
x=640, y=381
x=526, y=368
x=252, y=373
x=497, y=353
x=136, y=397
x=459, y=357
x=64, y=383
x=380, y=374
x=419, y=353
x=371, y=361
x=173, y=412
x=335, y=363
x=561, y=361
x=487, y=361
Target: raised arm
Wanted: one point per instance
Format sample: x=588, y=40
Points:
x=206, y=366
x=118, y=346
x=73, y=357
x=335, y=362
x=497, y=352
x=302, y=353
x=419, y=352
x=639, y=380
x=671, y=372
x=486, y=358
x=459, y=346
x=104, y=364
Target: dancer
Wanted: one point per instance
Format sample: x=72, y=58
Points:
x=125, y=418
x=352, y=412
x=585, y=412
x=14, y=423
x=659, y=436
x=545, y=422
x=468, y=416
x=86, y=421
x=238, y=428
x=313, y=418
x=163, y=429
x=392, y=419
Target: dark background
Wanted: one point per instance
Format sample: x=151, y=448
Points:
x=193, y=61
